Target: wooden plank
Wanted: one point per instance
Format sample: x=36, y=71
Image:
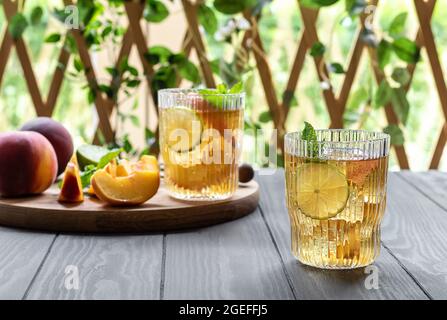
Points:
x=20, y=257
x=235, y=260
x=431, y=184
x=414, y=230
x=110, y=267
x=311, y=283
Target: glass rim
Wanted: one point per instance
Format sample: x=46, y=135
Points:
x=296, y=136
x=181, y=91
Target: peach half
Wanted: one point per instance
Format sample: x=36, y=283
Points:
x=127, y=183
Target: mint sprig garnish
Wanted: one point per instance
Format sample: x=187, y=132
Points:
x=213, y=96
x=87, y=173
x=308, y=134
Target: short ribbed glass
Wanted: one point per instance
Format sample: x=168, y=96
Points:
x=200, y=141
x=336, y=196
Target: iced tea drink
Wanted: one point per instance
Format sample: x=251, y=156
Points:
x=336, y=196
x=200, y=141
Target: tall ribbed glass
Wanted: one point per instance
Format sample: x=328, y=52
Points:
x=200, y=141
x=336, y=196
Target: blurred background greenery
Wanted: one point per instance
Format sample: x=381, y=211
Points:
x=280, y=29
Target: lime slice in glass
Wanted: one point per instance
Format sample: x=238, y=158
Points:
x=181, y=129
x=323, y=190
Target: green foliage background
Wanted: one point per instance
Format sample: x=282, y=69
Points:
x=280, y=29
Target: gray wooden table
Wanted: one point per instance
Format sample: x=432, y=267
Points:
x=244, y=259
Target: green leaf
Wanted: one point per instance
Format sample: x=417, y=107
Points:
x=400, y=103
x=396, y=134
x=401, y=76
x=148, y=134
x=207, y=19
x=77, y=63
x=189, y=71
x=133, y=83
x=53, y=38
x=135, y=120
x=86, y=175
x=157, y=54
x=237, y=88
x=383, y=94
x=336, y=68
x=351, y=117
x=91, y=96
x=216, y=100
x=229, y=6
x=36, y=15
x=112, y=71
x=106, y=89
x=60, y=15
x=107, y=30
x=318, y=49
x=397, y=26
x=265, y=117
x=384, y=51
x=155, y=11
x=406, y=50
x=17, y=25
x=308, y=134
x=358, y=98
x=132, y=70
x=317, y=3
x=355, y=7
x=221, y=88
x=114, y=153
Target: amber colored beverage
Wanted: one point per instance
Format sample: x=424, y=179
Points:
x=336, y=201
x=200, y=143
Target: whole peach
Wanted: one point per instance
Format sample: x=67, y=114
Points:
x=28, y=163
x=58, y=136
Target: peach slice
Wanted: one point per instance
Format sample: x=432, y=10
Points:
x=71, y=190
x=127, y=183
x=91, y=192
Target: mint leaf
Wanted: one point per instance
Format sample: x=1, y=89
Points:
x=237, y=88
x=221, y=88
x=108, y=157
x=86, y=175
x=310, y=136
x=212, y=95
x=89, y=171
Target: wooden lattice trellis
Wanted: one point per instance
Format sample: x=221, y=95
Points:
x=335, y=102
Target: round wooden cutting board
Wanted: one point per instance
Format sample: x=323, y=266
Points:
x=161, y=213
